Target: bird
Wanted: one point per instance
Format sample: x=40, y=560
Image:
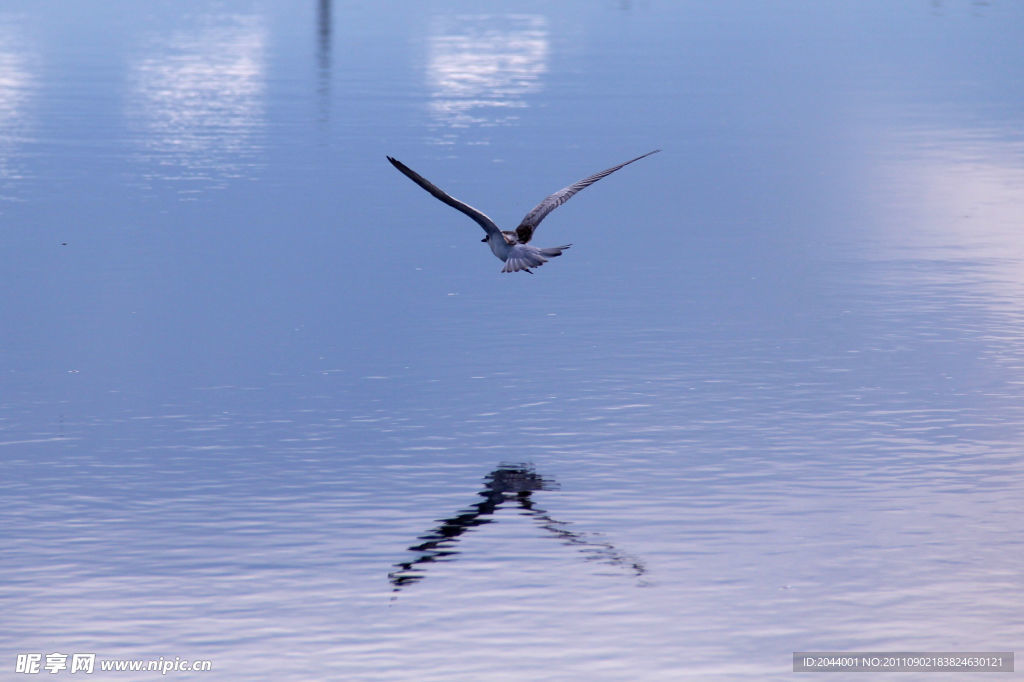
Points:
x=512, y=246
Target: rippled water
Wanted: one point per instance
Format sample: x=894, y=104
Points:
x=265, y=402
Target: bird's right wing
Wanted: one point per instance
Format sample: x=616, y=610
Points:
x=478, y=216
x=526, y=228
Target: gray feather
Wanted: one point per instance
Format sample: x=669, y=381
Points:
x=526, y=228
x=479, y=216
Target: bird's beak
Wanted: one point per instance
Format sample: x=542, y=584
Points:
x=484, y=239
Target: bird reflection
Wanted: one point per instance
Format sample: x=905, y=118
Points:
x=509, y=483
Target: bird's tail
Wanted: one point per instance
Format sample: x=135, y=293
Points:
x=524, y=257
x=553, y=251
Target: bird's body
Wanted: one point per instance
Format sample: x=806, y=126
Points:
x=518, y=256
x=512, y=246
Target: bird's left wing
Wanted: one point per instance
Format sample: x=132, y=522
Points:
x=478, y=216
x=525, y=230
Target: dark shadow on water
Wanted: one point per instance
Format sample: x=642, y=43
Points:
x=508, y=484
x=323, y=57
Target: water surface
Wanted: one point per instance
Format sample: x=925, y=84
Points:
x=267, y=403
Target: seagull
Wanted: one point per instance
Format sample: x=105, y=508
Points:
x=513, y=246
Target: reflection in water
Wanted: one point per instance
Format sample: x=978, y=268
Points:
x=978, y=7
x=197, y=99
x=964, y=192
x=323, y=56
x=480, y=68
x=509, y=482
x=14, y=86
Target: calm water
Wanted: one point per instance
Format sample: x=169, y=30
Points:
x=265, y=402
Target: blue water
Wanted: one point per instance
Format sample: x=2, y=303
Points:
x=265, y=402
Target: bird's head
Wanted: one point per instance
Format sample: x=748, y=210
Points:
x=485, y=239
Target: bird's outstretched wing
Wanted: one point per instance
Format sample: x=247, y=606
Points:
x=525, y=230
x=478, y=216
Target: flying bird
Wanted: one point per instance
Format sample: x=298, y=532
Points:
x=512, y=246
